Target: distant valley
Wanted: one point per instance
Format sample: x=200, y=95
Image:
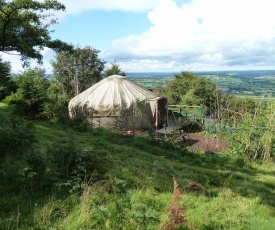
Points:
x=252, y=83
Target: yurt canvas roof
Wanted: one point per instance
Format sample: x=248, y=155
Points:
x=111, y=96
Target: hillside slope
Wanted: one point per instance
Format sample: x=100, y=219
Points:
x=129, y=185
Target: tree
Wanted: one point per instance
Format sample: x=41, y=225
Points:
x=31, y=92
x=190, y=89
x=81, y=63
x=56, y=105
x=114, y=69
x=24, y=28
x=6, y=83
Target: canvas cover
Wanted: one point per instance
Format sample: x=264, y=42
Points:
x=112, y=96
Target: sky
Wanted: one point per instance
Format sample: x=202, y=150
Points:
x=169, y=35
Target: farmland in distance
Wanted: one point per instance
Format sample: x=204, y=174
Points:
x=253, y=83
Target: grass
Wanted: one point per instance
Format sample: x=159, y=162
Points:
x=4, y=110
x=220, y=192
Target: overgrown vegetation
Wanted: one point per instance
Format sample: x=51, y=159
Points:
x=96, y=179
x=246, y=123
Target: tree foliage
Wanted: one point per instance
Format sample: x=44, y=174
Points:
x=114, y=69
x=56, y=105
x=189, y=89
x=31, y=92
x=39, y=97
x=83, y=63
x=6, y=83
x=24, y=27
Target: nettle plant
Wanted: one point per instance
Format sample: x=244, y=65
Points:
x=254, y=136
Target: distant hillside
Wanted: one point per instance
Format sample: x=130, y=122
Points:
x=252, y=83
x=238, y=73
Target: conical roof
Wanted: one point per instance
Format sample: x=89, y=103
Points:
x=111, y=96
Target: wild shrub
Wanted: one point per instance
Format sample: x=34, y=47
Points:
x=63, y=164
x=6, y=84
x=16, y=136
x=16, y=175
x=79, y=124
x=56, y=112
x=31, y=92
x=56, y=105
x=229, y=110
x=189, y=89
x=253, y=137
x=173, y=140
x=70, y=165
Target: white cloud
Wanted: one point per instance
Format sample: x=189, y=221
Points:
x=14, y=59
x=188, y=35
x=204, y=34
x=74, y=7
x=48, y=56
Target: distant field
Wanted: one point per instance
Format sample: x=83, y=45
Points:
x=258, y=84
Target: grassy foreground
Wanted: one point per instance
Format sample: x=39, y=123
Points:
x=135, y=190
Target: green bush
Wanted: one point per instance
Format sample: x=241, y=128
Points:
x=69, y=165
x=7, y=85
x=189, y=89
x=56, y=107
x=17, y=175
x=31, y=92
x=16, y=136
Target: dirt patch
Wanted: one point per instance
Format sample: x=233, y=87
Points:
x=195, y=141
x=208, y=144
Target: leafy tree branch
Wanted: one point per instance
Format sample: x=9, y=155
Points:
x=24, y=28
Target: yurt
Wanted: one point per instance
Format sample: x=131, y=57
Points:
x=119, y=103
